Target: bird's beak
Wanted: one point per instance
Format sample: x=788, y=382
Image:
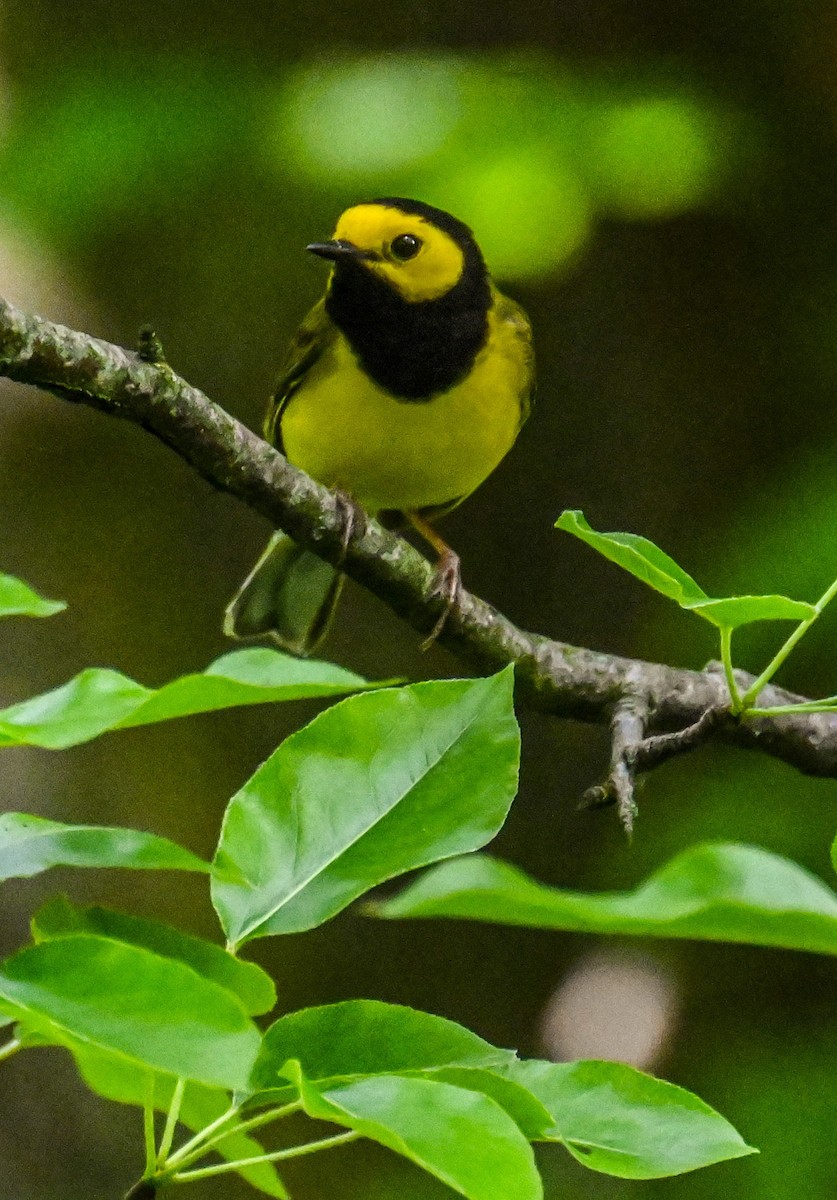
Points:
x=338, y=250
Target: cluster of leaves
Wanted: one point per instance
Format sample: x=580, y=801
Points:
x=386, y=780
x=647, y=562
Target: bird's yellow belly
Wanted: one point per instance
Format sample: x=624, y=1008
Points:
x=392, y=454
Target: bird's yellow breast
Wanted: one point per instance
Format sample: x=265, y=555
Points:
x=348, y=433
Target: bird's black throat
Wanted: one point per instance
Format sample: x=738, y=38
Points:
x=412, y=350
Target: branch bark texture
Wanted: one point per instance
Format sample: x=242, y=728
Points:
x=553, y=676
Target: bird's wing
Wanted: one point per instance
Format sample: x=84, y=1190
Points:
x=312, y=338
x=514, y=321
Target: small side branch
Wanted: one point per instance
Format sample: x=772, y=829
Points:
x=633, y=753
x=653, y=751
x=627, y=733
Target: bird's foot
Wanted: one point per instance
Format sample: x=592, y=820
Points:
x=353, y=521
x=447, y=585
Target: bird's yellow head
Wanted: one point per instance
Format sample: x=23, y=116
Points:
x=418, y=251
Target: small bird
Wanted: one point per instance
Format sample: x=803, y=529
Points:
x=403, y=388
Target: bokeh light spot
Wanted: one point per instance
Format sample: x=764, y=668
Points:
x=653, y=158
x=529, y=213
x=612, y=1006
x=372, y=115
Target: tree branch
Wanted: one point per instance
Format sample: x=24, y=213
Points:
x=552, y=676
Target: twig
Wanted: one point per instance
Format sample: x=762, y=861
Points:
x=657, y=749
x=627, y=731
x=552, y=676
x=632, y=753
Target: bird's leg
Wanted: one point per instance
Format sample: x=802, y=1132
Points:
x=352, y=519
x=446, y=582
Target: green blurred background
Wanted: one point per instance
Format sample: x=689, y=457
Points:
x=657, y=184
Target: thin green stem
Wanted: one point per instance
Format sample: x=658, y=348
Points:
x=171, y=1122
x=270, y=1114
x=773, y=666
x=791, y=710
x=729, y=672
x=209, y=1137
x=11, y=1047
x=277, y=1156
x=148, y=1128
x=201, y=1137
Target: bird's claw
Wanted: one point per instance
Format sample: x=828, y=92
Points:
x=446, y=584
x=353, y=520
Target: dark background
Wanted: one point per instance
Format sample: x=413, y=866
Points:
x=656, y=184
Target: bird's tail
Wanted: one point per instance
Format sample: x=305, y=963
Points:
x=290, y=595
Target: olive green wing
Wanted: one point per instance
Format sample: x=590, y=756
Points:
x=518, y=330
x=316, y=333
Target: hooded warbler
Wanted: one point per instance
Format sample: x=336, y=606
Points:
x=403, y=388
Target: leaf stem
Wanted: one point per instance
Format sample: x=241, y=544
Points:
x=726, y=658
x=11, y=1047
x=773, y=666
x=207, y=1138
x=202, y=1136
x=171, y=1122
x=339, y=1139
x=148, y=1128
x=792, y=710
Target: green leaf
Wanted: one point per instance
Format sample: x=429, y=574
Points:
x=717, y=892
x=618, y=1120
x=746, y=610
x=97, y=700
x=377, y=785
x=642, y=559
x=253, y=986
x=255, y=675
x=17, y=599
x=119, y=1080
x=124, y=998
x=91, y=703
x=834, y=854
x=29, y=845
x=461, y=1136
x=530, y=1115
x=637, y=555
x=357, y=1038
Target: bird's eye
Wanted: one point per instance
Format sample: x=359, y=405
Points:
x=406, y=246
